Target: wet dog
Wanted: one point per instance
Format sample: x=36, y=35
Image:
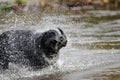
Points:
x=37, y=50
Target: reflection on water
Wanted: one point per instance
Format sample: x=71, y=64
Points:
x=93, y=41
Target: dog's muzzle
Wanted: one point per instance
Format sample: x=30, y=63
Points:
x=64, y=43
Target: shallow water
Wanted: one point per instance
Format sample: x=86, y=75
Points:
x=93, y=43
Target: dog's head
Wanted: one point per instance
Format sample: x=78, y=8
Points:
x=52, y=41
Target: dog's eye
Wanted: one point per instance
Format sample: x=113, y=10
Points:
x=53, y=42
x=59, y=43
x=61, y=38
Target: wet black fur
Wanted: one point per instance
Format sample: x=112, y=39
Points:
x=28, y=47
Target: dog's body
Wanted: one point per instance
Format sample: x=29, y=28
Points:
x=29, y=48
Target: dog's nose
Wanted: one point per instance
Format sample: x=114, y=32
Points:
x=64, y=43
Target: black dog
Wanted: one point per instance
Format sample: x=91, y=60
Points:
x=38, y=50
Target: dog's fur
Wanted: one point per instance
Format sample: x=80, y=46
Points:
x=29, y=48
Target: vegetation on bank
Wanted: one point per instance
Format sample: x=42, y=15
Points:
x=6, y=7
x=17, y=5
x=12, y=5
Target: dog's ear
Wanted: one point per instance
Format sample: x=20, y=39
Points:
x=64, y=42
x=61, y=31
x=45, y=36
x=40, y=40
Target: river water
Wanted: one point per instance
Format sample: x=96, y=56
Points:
x=93, y=44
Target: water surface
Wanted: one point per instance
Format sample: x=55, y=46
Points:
x=93, y=43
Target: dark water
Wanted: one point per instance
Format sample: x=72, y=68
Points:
x=93, y=45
